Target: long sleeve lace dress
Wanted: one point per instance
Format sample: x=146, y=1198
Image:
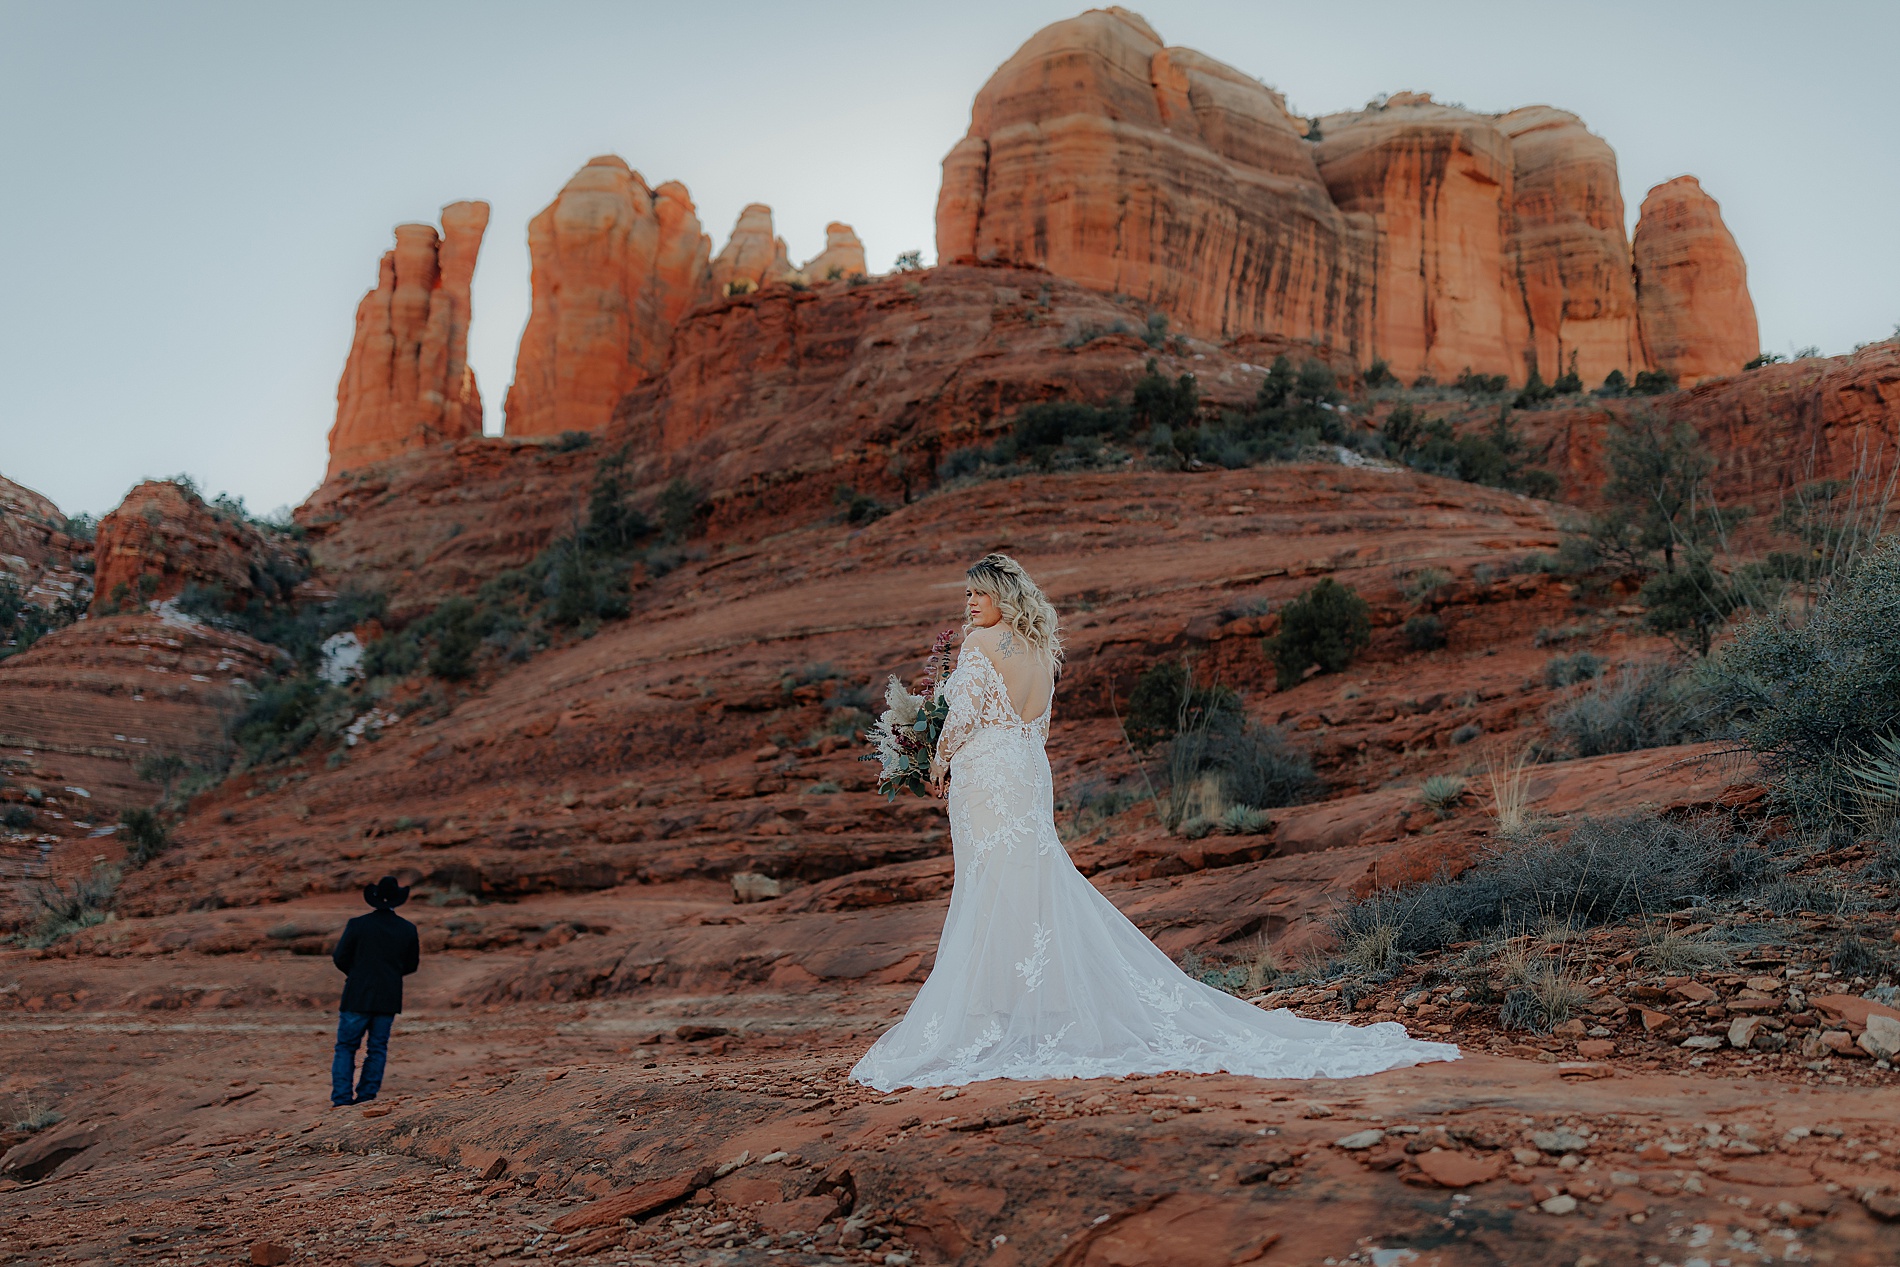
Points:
x=1039, y=976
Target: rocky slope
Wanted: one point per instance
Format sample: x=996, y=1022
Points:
x=38, y=555
x=1426, y=235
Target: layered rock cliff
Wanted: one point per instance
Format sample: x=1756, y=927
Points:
x=163, y=537
x=1430, y=236
x=407, y=383
x=38, y=557
x=1697, y=317
x=615, y=263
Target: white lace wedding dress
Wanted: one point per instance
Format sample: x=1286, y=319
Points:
x=1039, y=976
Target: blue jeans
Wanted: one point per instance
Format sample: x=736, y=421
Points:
x=350, y=1028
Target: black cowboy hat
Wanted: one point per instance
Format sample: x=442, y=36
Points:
x=385, y=893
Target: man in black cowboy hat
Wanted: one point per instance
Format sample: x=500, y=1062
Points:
x=375, y=952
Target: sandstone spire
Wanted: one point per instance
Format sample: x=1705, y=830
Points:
x=614, y=265
x=753, y=256
x=1692, y=285
x=407, y=383
x=842, y=257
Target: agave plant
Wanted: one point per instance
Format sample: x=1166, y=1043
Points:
x=1875, y=779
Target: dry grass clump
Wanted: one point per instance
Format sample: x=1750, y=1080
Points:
x=1672, y=952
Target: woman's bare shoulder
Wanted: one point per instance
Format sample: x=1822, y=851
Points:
x=983, y=641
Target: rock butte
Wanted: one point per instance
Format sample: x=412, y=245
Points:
x=407, y=383
x=1427, y=235
x=1696, y=314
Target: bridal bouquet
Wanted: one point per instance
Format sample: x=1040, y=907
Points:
x=905, y=737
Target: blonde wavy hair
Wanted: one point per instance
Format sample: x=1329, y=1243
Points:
x=1027, y=611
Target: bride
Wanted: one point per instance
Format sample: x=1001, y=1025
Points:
x=1037, y=974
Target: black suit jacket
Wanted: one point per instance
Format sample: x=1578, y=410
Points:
x=376, y=952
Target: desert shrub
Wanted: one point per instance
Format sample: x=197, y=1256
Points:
x=1568, y=670
x=1378, y=374
x=1294, y=408
x=1764, y=358
x=1534, y=392
x=1539, y=996
x=146, y=835
x=572, y=441
x=1166, y=700
x=1607, y=870
x=1259, y=769
x=1481, y=384
x=1041, y=431
x=1244, y=820
x=1325, y=626
x=1425, y=633
x=680, y=505
x=62, y=910
x=1691, y=603
x=1160, y=401
x=1440, y=792
x=1814, y=697
x=1614, y=384
x=1653, y=383
x=1568, y=383
x=16, y=817
x=1672, y=952
x=1494, y=456
x=909, y=262
x=1425, y=585
x=24, y=622
x=859, y=508
x=1854, y=956
x=286, y=716
x=1792, y=895
x=1644, y=704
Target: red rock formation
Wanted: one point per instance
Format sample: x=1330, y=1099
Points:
x=1692, y=285
x=407, y=383
x=615, y=264
x=1572, y=251
x=842, y=257
x=86, y=704
x=163, y=537
x=1157, y=173
x=753, y=256
x=1433, y=187
x=37, y=554
x=1430, y=236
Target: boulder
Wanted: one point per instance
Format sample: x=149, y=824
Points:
x=407, y=383
x=1692, y=285
x=614, y=265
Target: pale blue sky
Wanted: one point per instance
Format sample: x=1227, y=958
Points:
x=193, y=196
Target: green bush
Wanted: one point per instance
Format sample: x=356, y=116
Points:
x=1494, y=456
x=1813, y=697
x=1534, y=392
x=1378, y=374
x=1568, y=670
x=146, y=835
x=61, y=911
x=1689, y=605
x=1653, y=383
x=1326, y=626
x=1425, y=633
x=1259, y=769
x=1481, y=384
x=1644, y=704
x=680, y=506
x=286, y=716
x=1568, y=383
x=1614, y=384
x=1607, y=869
x=1165, y=700
x=16, y=817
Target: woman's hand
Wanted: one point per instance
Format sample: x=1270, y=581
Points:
x=939, y=782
